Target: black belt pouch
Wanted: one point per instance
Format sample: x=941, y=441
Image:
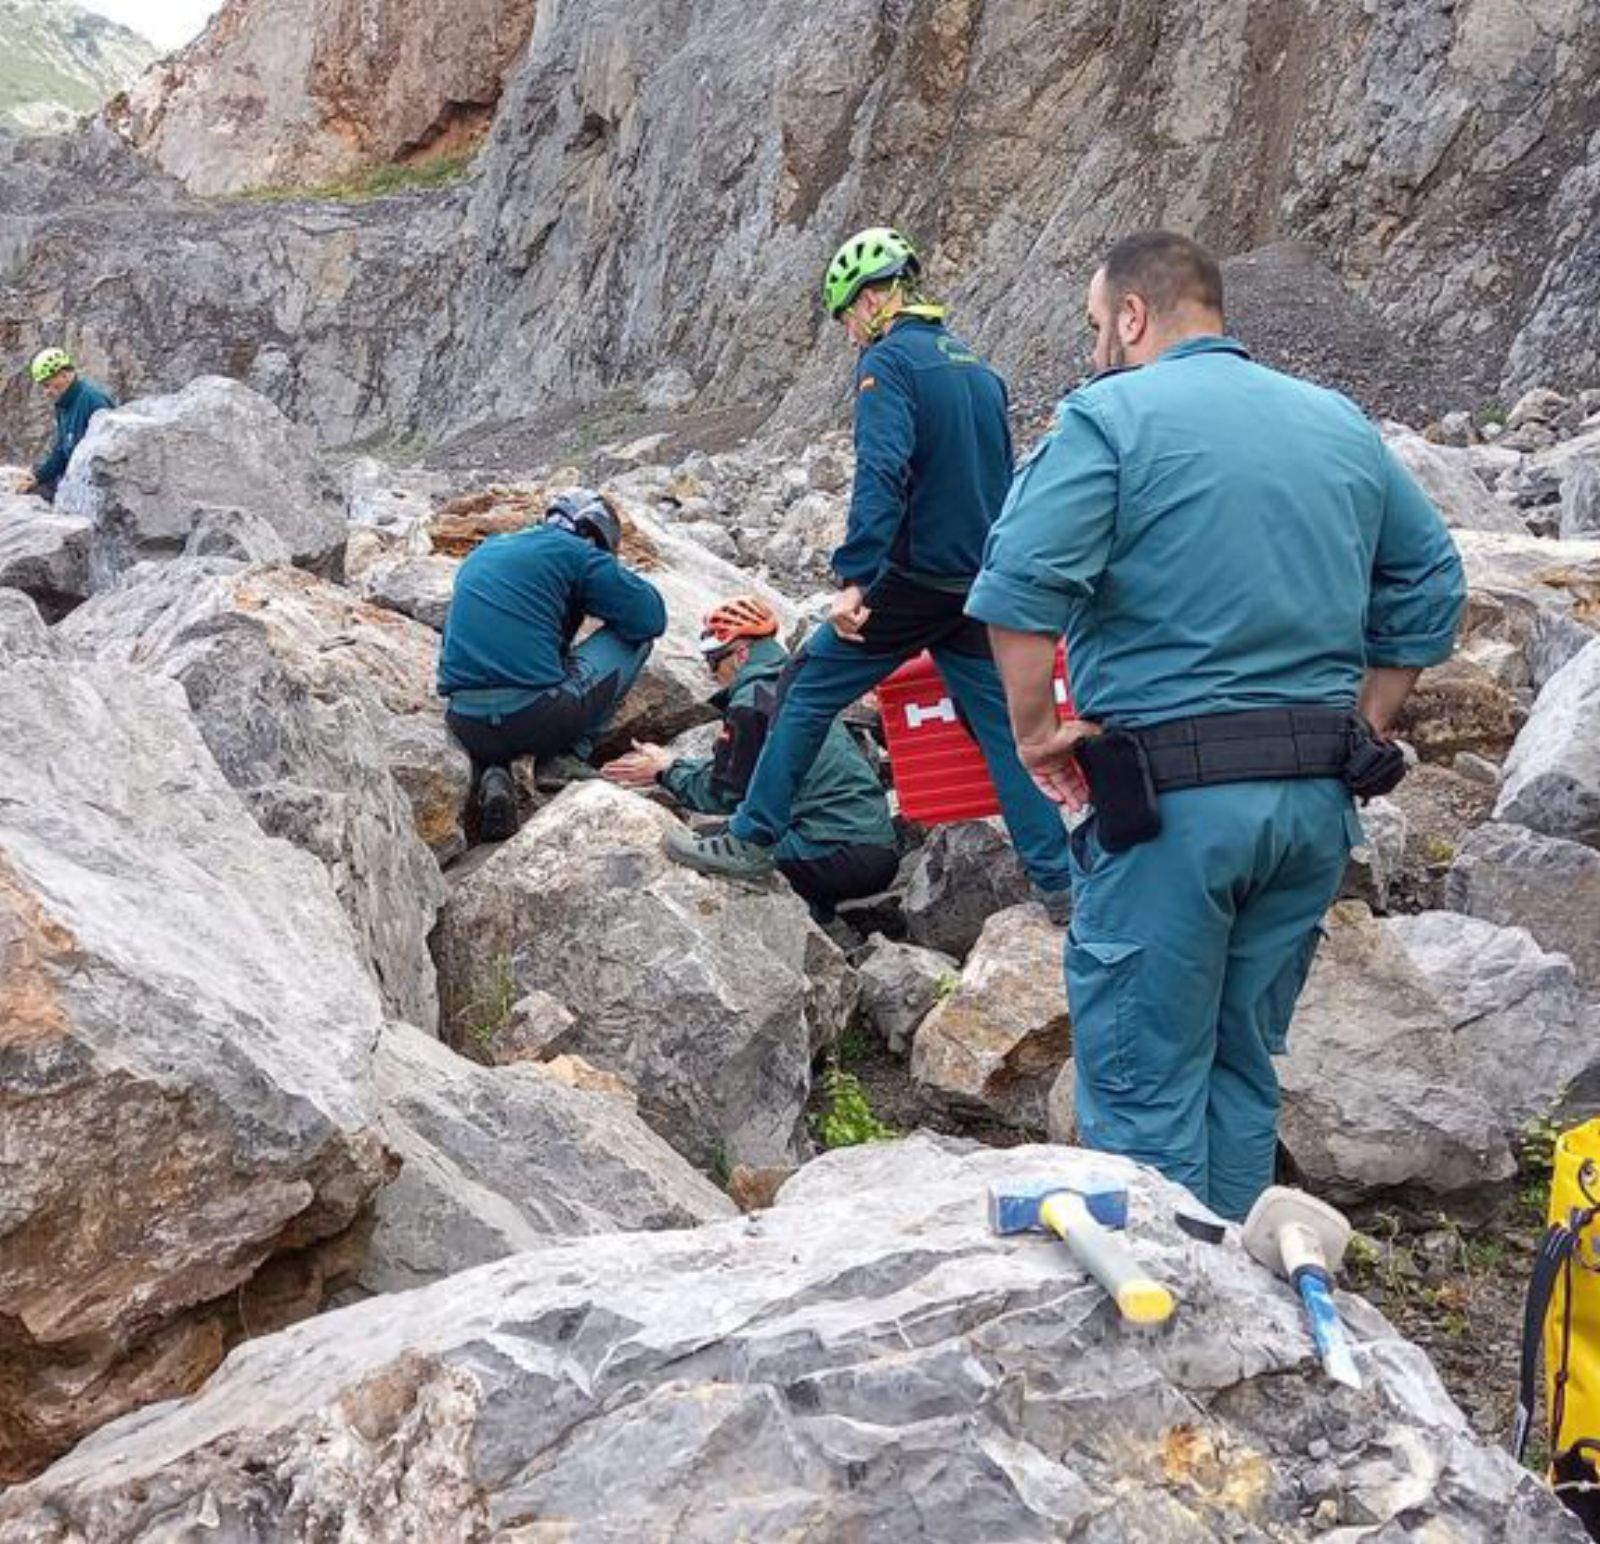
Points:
x=1375, y=767
x=1118, y=771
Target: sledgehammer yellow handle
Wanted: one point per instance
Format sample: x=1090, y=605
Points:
x=1139, y=1298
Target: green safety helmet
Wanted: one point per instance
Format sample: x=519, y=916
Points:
x=48, y=363
x=867, y=258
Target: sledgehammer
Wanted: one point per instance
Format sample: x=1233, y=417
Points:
x=1081, y=1214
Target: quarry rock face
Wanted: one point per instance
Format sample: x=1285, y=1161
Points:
x=306, y=93
x=1436, y=160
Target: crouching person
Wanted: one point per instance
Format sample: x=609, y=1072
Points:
x=841, y=845
x=517, y=683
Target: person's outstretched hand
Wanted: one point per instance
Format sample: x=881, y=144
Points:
x=1052, y=762
x=640, y=767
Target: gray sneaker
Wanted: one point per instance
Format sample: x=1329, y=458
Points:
x=723, y=855
x=558, y=771
x=1057, y=904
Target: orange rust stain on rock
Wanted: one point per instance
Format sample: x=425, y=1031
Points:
x=31, y=945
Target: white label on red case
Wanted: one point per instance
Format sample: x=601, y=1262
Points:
x=943, y=711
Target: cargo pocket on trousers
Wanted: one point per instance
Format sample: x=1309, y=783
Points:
x=1277, y=1004
x=1102, y=977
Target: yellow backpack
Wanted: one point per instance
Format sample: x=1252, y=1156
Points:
x=1563, y=1311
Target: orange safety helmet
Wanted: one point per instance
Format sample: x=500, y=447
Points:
x=745, y=616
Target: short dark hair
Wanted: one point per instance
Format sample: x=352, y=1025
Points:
x=1166, y=270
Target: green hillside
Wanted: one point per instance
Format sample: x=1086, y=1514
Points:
x=58, y=62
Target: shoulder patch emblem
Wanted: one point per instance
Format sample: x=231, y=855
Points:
x=867, y=383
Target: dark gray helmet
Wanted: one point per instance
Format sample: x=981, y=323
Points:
x=588, y=514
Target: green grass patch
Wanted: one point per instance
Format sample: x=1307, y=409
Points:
x=490, y=1008
x=379, y=182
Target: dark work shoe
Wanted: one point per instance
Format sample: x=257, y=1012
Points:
x=497, y=804
x=557, y=771
x=1057, y=904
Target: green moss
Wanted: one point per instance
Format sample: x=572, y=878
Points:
x=380, y=182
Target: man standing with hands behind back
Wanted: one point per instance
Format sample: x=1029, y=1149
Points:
x=1238, y=564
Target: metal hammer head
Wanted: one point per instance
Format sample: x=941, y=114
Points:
x=1014, y=1207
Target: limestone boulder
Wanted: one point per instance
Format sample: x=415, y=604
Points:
x=23, y=632
x=190, y=1125
x=996, y=1044
x=1460, y=706
x=1540, y=596
x=962, y=876
x=900, y=983
x=864, y=1360
x=317, y=707
x=1421, y=1047
x=1552, y=776
x=44, y=553
x=419, y=587
x=1580, y=501
x=1515, y=877
x=711, y=999
x=1447, y=476
x=1375, y=865
x=398, y=504
x=215, y=470
x=501, y=1160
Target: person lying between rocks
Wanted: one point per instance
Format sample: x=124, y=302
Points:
x=77, y=399
x=517, y=683
x=841, y=843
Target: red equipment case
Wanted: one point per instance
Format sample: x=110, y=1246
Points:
x=939, y=772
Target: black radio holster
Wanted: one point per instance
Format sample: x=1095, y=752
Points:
x=1117, y=768
x=1376, y=766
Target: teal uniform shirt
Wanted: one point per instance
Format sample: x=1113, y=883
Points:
x=840, y=802
x=519, y=601
x=933, y=459
x=1211, y=535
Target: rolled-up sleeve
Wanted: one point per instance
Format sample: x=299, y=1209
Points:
x=1053, y=538
x=1418, y=585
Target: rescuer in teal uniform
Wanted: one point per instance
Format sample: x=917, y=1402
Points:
x=1239, y=565
x=933, y=463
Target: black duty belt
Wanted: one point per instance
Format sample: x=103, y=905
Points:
x=1127, y=768
x=1247, y=747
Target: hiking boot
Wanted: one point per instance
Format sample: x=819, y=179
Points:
x=497, y=806
x=1057, y=904
x=724, y=855
x=558, y=771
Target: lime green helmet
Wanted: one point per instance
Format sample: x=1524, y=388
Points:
x=868, y=257
x=49, y=362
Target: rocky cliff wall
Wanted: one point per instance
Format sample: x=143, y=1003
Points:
x=305, y=92
x=664, y=182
